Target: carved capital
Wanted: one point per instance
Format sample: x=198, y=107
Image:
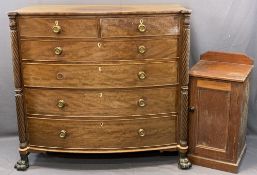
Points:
x=12, y=21
x=13, y=24
x=186, y=20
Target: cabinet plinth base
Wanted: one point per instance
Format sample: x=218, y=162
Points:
x=217, y=164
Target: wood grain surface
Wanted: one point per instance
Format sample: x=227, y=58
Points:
x=128, y=27
x=102, y=50
x=99, y=75
x=218, y=124
x=115, y=134
x=102, y=9
x=101, y=102
x=213, y=119
x=212, y=115
x=70, y=28
x=228, y=57
x=223, y=70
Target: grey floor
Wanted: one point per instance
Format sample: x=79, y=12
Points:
x=150, y=163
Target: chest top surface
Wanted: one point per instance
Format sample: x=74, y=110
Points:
x=100, y=9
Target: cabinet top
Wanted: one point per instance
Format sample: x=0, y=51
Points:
x=223, y=66
x=100, y=9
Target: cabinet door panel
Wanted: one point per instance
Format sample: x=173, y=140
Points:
x=210, y=122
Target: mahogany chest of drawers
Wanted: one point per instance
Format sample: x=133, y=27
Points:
x=101, y=79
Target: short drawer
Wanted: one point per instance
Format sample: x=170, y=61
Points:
x=126, y=102
x=100, y=75
x=115, y=50
x=97, y=135
x=58, y=27
x=140, y=26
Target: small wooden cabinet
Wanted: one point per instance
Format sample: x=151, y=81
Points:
x=219, y=89
x=101, y=79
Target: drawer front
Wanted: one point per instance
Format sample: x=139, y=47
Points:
x=140, y=26
x=65, y=102
x=100, y=75
x=55, y=50
x=115, y=134
x=58, y=27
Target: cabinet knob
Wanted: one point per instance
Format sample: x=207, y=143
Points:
x=61, y=104
x=141, y=132
x=141, y=75
x=58, y=50
x=141, y=27
x=56, y=28
x=63, y=134
x=141, y=102
x=141, y=49
x=192, y=109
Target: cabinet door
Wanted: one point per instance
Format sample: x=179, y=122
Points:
x=210, y=134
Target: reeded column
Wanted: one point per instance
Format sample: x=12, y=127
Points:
x=184, y=163
x=22, y=164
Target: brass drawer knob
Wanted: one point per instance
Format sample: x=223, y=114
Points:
x=141, y=132
x=61, y=104
x=141, y=27
x=141, y=102
x=56, y=28
x=141, y=75
x=58, y=51
x=142, y=49
x=63, y=134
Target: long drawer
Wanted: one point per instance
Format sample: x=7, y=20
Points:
x=79, y=27
x=72, y=50
x=141, y=101
x=100, y=75
x=139, y=26
x=110, y=134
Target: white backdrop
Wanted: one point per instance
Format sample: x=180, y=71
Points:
x=215, y=25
